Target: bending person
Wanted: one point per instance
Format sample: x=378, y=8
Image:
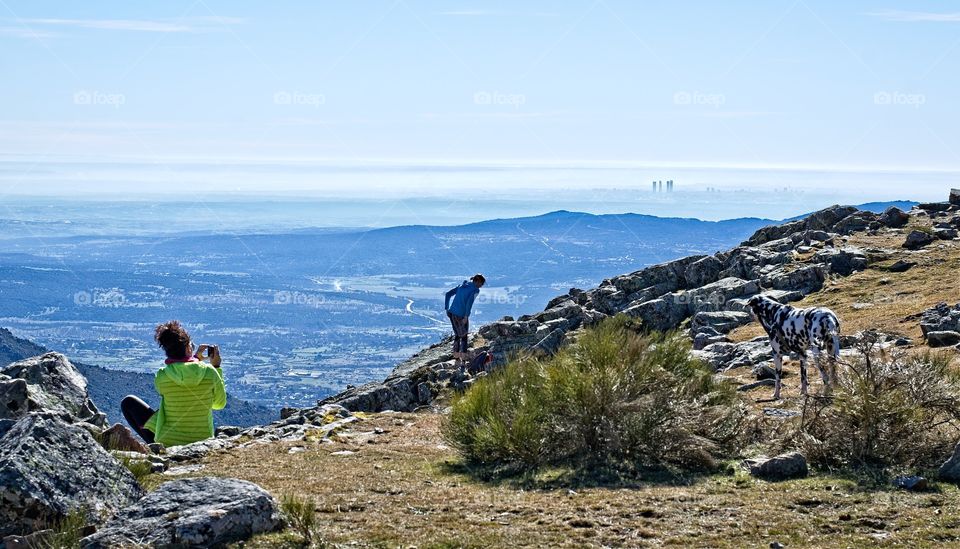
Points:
x=459, y=313
x=189, y=388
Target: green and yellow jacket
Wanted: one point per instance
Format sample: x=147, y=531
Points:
x=189, y=392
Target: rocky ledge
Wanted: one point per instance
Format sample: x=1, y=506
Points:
x=706, y=294
x=57, y=458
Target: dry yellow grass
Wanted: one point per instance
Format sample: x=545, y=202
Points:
x=405, y=488
x=879, y=299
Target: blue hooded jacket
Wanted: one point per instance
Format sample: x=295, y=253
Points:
x=463, y=296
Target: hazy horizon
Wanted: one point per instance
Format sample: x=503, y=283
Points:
x=220, y=97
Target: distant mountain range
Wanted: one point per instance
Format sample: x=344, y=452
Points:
x=108, y=387
x=877, y=207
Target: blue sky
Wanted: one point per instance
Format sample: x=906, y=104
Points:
x=802, y=84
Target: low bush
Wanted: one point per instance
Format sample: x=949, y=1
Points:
x=140, y=468
x=300, y=514
x=890, y=408
x=66, y=532
x=614, y=398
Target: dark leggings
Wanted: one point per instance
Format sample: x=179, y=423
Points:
x=461, y=326
x=137, y=412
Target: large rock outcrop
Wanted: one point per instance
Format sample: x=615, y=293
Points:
x=49, y=383
x=787, y=261
x=49, y=467
x=196, y=512
x=940, y=318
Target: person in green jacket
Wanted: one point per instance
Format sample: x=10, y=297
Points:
x=190, y=389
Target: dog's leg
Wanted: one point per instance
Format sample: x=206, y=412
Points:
x=777, y=371
x=818, y=360
x=803, y=373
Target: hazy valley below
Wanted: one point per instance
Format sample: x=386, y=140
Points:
x=305, y=313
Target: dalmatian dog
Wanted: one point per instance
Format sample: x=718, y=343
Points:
x=793, y=330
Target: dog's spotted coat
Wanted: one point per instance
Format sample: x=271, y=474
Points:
x=794, y=330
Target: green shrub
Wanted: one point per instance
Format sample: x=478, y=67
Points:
x=889, y=408
x=140, y=468
x=66, y=532
x=615, y=398
x=300, y=514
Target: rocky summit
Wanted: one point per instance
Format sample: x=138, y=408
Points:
x=56, y=460
x=704, y=294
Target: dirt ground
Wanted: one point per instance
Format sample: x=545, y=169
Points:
x=394, y=482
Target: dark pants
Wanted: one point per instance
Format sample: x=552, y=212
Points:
x=461, y=326
x=137, y=412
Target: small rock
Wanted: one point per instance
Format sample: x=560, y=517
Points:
x=901, y=266
x=776, y=545
x=184, y=469
x=780, y=412
x=894, y=217
x=918, y=239
x=784, y=466
x=343, y=453
x=227, y=431
x=119, y=437
x=955, y=197
x=943, y=339
x=157, y=448
x=915, y=483
x=945, y=234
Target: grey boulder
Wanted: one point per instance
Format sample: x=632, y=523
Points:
x=196, y=512
x=918, y=239
x=894, y=217
x=943, y=339
x=53, y=385
x=784, y=466
x=49, y=467
x=940, y=318
x=844, y=261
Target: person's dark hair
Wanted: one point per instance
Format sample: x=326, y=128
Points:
x=173, y=338
x=478, y=278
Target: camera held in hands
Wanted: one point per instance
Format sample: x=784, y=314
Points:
x=208, y=351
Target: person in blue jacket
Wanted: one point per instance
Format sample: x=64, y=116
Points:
x=459, y=313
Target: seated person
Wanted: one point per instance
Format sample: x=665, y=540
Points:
x=189, y=388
